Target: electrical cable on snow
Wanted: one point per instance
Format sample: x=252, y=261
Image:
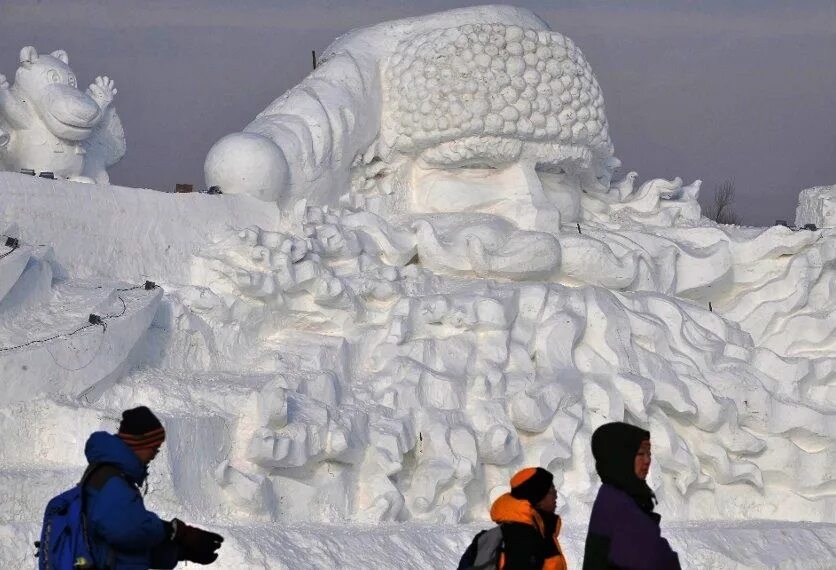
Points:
x=12, y=243
x=40, y=340
x=101, y=339
x=124, y=306
x=25, y=242
x=148, y=285
x=103, y=324
x=12, y=250
x=92, y=358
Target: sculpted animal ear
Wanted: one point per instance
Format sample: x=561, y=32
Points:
x=62, y=55
x=28, y=56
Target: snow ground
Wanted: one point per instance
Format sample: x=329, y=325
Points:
x=707, y=545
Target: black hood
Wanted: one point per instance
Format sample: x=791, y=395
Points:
x=614, y=447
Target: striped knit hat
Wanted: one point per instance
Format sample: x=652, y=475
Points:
x=141, y=429
x=531, y=484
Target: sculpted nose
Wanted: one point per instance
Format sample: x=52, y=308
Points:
x=71, y=106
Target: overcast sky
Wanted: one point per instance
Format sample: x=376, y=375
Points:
x=711, y=89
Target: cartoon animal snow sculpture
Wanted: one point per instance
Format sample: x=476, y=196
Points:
x=48, y=124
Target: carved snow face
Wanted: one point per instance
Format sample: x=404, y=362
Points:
x=52, y=88
x=493, y=106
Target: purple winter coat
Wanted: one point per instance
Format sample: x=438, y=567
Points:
x=621, y=535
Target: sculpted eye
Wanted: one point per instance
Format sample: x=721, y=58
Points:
x=53, y=76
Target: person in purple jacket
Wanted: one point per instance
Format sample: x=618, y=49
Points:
x=623, y=529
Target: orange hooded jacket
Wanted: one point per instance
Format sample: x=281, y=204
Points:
x=507, y=509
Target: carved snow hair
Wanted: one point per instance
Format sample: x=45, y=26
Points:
x=492, y=80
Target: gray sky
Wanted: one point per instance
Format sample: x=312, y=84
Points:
x=709, y=89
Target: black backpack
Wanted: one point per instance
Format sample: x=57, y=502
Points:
x=484, y=551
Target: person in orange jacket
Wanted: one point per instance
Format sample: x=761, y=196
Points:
x=529, y=524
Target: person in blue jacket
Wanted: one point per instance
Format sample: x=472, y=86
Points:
x=123, y=534
x=623, y=528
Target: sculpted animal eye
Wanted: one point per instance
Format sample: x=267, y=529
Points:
x=53, y=76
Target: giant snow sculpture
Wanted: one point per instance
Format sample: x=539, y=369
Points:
x=424, y=307
x=432, y=151
x=48, y=124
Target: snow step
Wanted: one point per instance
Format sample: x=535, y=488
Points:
x=55, y=348
x=13, y=262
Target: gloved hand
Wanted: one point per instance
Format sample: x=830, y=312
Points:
x=195, y=544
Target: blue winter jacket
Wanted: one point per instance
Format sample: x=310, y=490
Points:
x=124, y=535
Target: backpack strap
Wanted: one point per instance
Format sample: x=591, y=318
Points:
x=97, y=474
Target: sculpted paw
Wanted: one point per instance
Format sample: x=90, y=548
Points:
x=103, y=90
x=4, y=84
